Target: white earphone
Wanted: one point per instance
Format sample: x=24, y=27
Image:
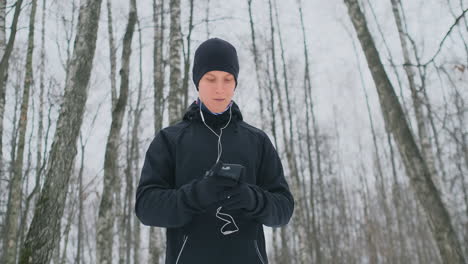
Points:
x=220, y=150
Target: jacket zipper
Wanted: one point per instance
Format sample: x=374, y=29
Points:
x=258, y=252
x=182, y=248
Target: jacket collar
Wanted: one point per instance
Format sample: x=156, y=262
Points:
x=215, y=121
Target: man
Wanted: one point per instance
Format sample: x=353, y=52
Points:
x=211, y=218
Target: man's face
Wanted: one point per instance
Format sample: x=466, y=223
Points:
x=216, y=85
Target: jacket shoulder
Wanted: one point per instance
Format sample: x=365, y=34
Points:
x=257, y=131
x=173, y=131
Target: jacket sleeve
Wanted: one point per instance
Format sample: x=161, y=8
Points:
x=157, y=202
x=275, y=203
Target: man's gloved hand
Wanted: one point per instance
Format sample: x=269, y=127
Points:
x=209, y=189
x=241, y=196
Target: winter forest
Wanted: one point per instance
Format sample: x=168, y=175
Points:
x=366, y=103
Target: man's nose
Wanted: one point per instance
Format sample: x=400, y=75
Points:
x=219, y=87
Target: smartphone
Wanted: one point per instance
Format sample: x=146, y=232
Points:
x=231, y=171
x=228, y=170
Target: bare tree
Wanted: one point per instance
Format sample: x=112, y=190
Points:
x=44, y=230
x=72, y=200
x=134, y=158
x=82, y=195
x=159, y=65
x=104, y=240
x=415, y=165
x=185, y=82
x=416, y=96
x=6, y=51
x=112, y=54
x=80, y=204
x=175, y=87
x=312, y=229
x=3, y=5
x=256, y=58
x=15, y=190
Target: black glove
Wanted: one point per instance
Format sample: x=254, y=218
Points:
x=241, y=196
x=210, y=188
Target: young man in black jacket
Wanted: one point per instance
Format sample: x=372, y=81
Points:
x=210, y=217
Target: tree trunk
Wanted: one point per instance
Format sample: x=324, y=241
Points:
x=44, y=230
x=81, y=197
x=185, y=83
x=158, y=63
x=416, y=167
x=135, y=158
x=112, y=54
x=257, y=63
x=207, y=18
x=369, y=233
x=313, y=233
x=6, y=51
x=105, y=224
x=2, y=27
x=2, y=105
x=158, y=108
x=421, y=119
x=175, y=90
x=70, y=218
x=114, y=99
x=14, y=198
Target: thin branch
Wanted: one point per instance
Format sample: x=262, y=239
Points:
x=442, y=42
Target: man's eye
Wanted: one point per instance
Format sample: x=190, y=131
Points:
x=228, y=80
x=210, y=80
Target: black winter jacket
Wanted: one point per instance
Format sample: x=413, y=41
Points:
x=181, y=153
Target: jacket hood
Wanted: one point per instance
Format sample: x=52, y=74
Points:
x=193, y=114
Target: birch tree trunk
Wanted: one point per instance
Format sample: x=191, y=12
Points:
x=14, y=197
x=112, y=54
x=32, y=197
x=105, y=224
x=3, y=5
x=288, y=142
x=6, y=53
x=312, y=233
x=207, y=17
x=135, y=157
x=185, y=83
x=70, y=217
x=257, y=62
x=40, y=132
x=2, y=103
x=155, y=237
x=316, y=143
x=368, y=225
x=44, y=230
x=113, y=65
x=416, y=167
x=289, y=148
x=158, y=63
x=80, y=206
x=417, y=97
x=175, y=38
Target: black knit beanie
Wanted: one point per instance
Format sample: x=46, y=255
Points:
x=215, y=54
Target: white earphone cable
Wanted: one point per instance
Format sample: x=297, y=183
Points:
x=220, y=150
